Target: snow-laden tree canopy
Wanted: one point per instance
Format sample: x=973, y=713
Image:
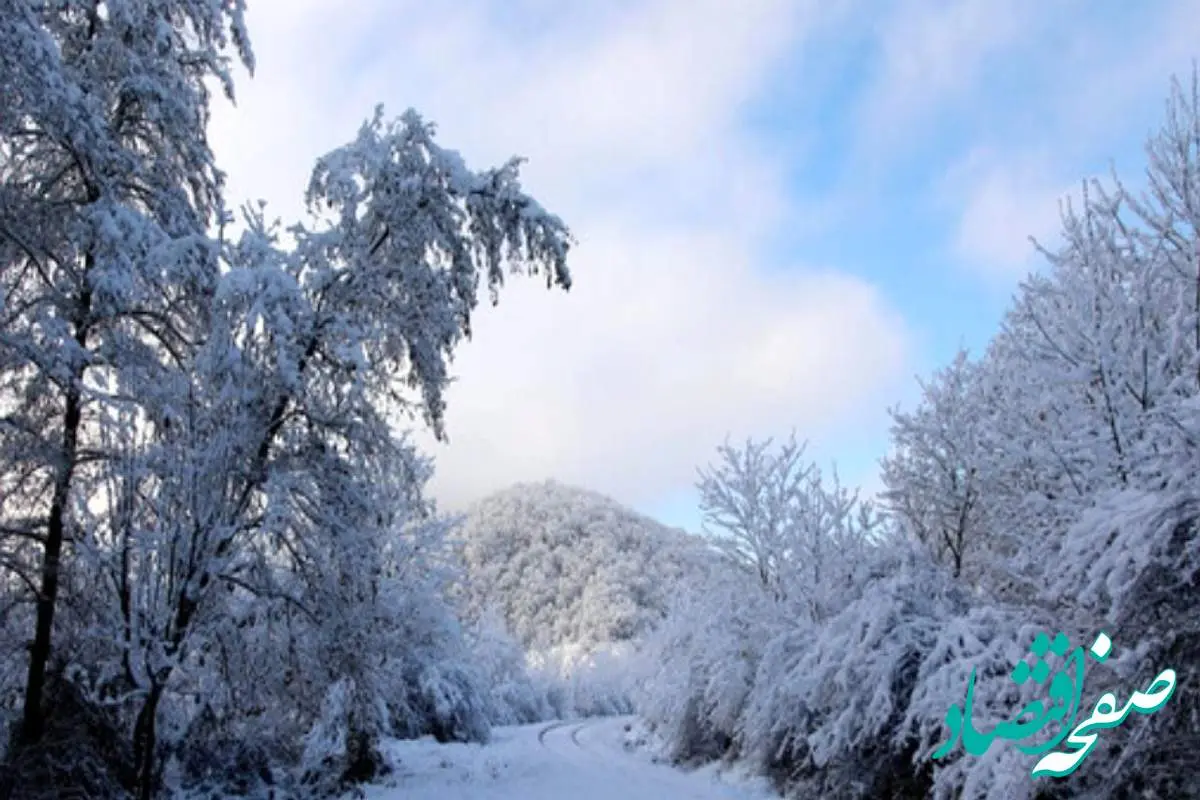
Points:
x=215, y=548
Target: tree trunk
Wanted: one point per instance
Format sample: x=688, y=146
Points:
x=33, y=721
x=145, y=741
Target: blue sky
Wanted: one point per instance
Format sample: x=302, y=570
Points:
x=785, y=213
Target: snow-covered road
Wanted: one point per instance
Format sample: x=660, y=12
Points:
x=581, y=760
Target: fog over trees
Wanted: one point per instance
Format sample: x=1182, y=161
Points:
x=221, y=574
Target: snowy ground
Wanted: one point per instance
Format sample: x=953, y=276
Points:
x=581, y=760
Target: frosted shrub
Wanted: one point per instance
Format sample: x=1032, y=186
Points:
x=699, y=666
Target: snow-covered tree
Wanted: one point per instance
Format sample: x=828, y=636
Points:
x=107, y=188
x=698, y=668
x=212, y=428
x=518, y=692
x=794, y=548
x=748, y=500
x=777, y=517
x=282, y=456
x=932, y=479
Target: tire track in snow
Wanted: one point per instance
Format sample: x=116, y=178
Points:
x=551, y=727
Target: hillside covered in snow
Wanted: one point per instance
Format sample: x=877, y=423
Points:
x=568, y=567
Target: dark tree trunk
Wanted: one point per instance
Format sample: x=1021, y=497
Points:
x=145, y=741
x=33, y=722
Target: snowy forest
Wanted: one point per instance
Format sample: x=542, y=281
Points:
x=222, y=575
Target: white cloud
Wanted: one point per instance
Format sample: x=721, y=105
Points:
x=670, y=344
x=676, y=330
x=1095, y=85
x=1103, y=81
x=1024, y=100
x=931, y=54
x=1002, y=200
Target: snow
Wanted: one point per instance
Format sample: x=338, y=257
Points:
x=580, y=760
x=207, y=482
x=567, y=567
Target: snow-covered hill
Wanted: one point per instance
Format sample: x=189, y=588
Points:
x=570, y=568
